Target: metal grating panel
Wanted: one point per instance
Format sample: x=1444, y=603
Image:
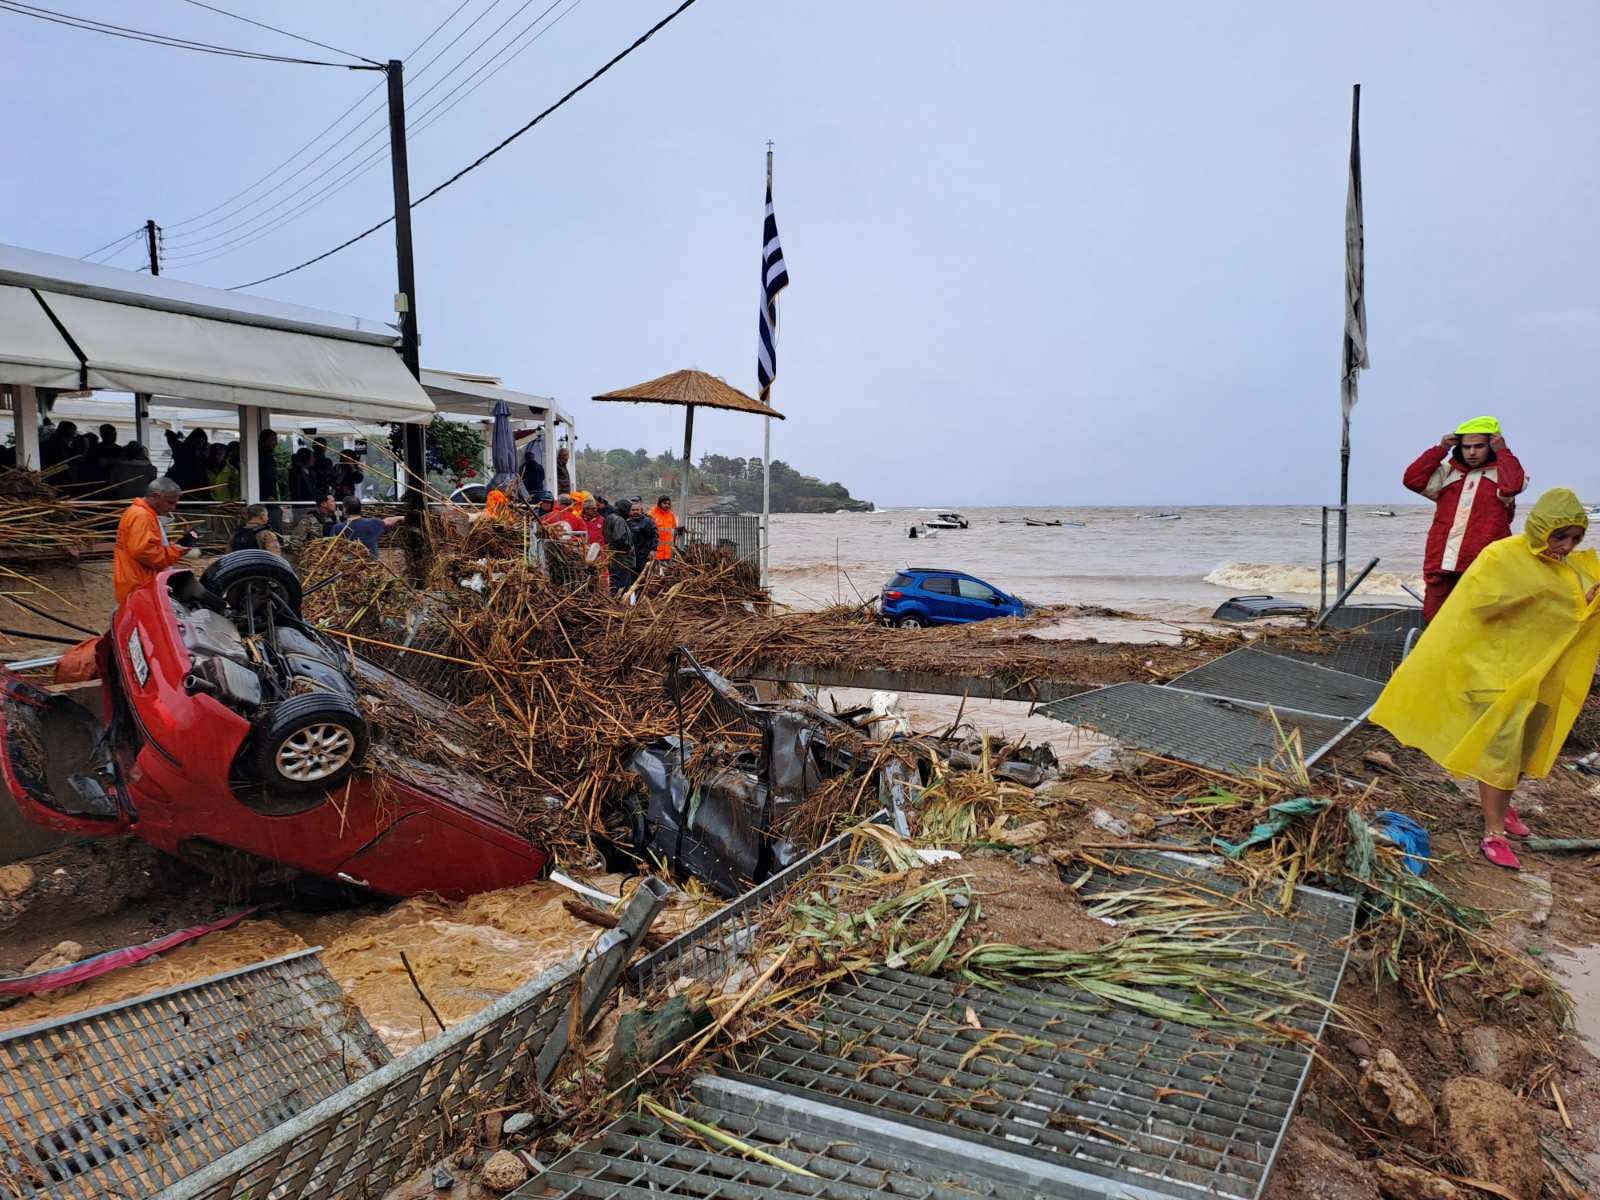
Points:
x=1371, y=656
x=1140, y=1103
x=639, y=1157
x=885, y=1087
x=1375, y=619
x=129, y=1098
x=359, y=1140
x=1284, y=683
x=1201, y=730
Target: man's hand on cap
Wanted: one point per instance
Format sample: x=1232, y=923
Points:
x=1497, y=443
x=1449, y=440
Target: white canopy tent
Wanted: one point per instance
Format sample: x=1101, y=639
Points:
x=76, y=326
x=457, y=394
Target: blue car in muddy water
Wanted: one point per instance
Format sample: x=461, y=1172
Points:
x=919, y=596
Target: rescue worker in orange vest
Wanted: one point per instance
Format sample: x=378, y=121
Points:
x=497, y=503
x=142, y=546
x=666, y=526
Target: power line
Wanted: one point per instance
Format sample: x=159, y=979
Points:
x=98, y=250
x=439, y=108
x=486, y=155
x=330, y=126
x=272, y=218
x=268, y=215
x=160, y=39
x=297, y=37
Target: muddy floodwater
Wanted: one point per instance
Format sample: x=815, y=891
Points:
x=465, y=955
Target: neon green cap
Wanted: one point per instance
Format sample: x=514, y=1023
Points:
x=1487, y=425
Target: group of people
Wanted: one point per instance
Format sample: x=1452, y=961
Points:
x=144, y=549
x=1512, y=628
x=94, y=465
x=629, y=539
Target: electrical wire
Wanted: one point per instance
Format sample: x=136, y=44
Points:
x=328, y=128
x=198, y=251
x=195, y=243
x=160, y=39
x=297, y=37
x=98, y=250
x=487, y=154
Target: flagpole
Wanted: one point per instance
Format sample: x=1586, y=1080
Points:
x=1347, y=368
x=766, y=445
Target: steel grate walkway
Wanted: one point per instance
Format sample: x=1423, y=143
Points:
x=886, y=1087
x=127, y=1099
x=1305, y=685
x=1218, y=734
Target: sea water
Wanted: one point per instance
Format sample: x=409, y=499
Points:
x=1120, y=558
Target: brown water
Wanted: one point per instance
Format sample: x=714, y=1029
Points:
x=1179, y=570
x=465, y=955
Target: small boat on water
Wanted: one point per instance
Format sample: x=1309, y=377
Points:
x=947, y=520
x=921, y=531
x=1593, y=510
x=1039, y=524
x=1381, y=512
x=1309, y=521
x=1162, y=516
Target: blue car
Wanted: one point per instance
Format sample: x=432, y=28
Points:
x=921, y=596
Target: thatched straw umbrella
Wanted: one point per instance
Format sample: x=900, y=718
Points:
x=692, y=390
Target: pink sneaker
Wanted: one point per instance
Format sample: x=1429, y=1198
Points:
x=1498, y=851
x=1515, y=825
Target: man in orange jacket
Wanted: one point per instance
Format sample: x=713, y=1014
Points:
x=666, y=526
x=142, y=546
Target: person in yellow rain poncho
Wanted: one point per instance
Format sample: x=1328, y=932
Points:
x=1494, y=684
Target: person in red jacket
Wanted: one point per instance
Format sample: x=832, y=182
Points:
x=1473, y=480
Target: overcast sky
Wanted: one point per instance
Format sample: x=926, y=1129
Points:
x=1042, y=252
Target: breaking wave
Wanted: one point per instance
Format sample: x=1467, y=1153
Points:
x=1277, y=579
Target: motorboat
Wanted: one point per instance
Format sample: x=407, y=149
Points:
x=921, y=531
x=1040, y=524
x=1161, y=516
x=1381, y=512
x=947, y=520
x=1593, y=510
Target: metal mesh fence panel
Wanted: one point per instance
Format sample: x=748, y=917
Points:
x=359, y=1140
x=738, y=532
x=129, y=1098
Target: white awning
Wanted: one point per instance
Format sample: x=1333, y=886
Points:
x=32, y=350
x=476, y=396
x=137, y=349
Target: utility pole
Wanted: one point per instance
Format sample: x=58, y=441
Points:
x=141, y=400
x=405, y=300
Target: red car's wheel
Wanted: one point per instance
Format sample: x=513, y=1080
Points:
x=243, y=573
x=310, y=743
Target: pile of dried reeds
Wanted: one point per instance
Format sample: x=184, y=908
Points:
x=38, y=525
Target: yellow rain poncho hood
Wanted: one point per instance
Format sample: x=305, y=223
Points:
x=1494, y=684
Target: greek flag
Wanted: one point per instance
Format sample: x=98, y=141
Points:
x=774, y=278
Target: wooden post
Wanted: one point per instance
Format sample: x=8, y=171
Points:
x=688, y=443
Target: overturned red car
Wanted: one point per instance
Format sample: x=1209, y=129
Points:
x=231, y=733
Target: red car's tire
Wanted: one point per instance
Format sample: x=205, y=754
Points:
x=309, y=743
x=232, y=574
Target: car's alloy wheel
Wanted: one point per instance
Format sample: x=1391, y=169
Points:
x=315, y=752
x=909, y=622
x=309, y=743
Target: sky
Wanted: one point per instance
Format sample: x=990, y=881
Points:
x=1041, y=253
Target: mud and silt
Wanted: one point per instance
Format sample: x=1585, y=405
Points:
x=465, y=955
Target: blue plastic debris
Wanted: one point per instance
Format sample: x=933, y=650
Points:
x=1409, y=836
